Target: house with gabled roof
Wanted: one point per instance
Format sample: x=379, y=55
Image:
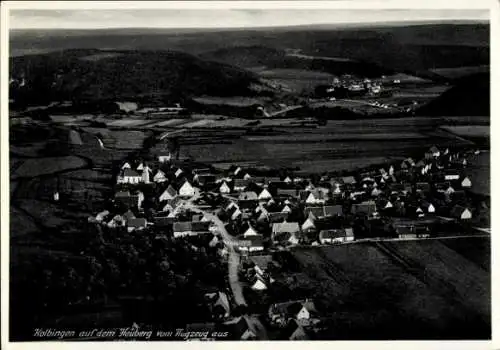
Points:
x=284, y=230
x=169, y=194
x=240, y=328
x=159, y=177
x=251, y=243
x=224, y=188
x=219, y=299
x=248, y=196
x=301, y=311
x=240, y=184
x=461, y=213
x=136, y=224
x=189, y=228
x=186, y=190
x=366, y=208
x=466, y=182
x=348, y=180
x=287, y=193
x=131, y=176
x=265, y=195
x=333, y=236
x=261, y=263
x=308, y=224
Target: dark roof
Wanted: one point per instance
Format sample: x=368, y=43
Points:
x=136, y=222
x=291, y=227
x=331, y=210
x=348, y=180
x=182, y=226
x=457, y=211
x=241, y=183
x=287, y=192
x=262, y=261
x=122, y=194
x=335, y=233
x=249, y=195
x=367, y=208
x=277, y=216
x=130, y=173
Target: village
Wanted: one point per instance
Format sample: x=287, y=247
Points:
x=250, y=215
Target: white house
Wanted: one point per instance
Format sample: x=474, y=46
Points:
x=431, y=209
x=146, y=172
x=178, y=172
x=140, y=167
x=286, y=209
x=288, y=180
x=264, y=194
x=247, y=176
x=466, y=182
x=169, y=193
x=131, y=176
x=159, y=177
x=236, y=214
x=165, y=158
x=237, y=171
x=259, y=285
x=186, y=190
x=308, y=224
x=250, y=232
x=140, y=199
x=461, y=213
x=126, y=166
x=224, y=188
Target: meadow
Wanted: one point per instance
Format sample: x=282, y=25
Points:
x=422, y=289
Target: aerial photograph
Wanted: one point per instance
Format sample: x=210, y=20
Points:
x=249, y=174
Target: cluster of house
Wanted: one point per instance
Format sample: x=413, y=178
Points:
x=294, y=209
x=291, y=210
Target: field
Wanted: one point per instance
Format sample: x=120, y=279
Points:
x=295, y=80
x=480, y=173
x=422, y=289
x=350, y=144
x=48, y=165
x=474, y=131
x=459, y=72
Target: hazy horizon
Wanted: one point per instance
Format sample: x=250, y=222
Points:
x=228, y=19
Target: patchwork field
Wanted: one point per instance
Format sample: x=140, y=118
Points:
x=350, y=144
x=431, y=286
x=48, y=165
x=480, y=173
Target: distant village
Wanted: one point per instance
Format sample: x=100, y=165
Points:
x=248, y=215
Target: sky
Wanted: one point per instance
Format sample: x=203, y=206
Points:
x=223, y=18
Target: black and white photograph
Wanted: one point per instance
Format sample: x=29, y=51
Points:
x=246, y=173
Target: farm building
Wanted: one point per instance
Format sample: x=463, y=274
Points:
x=461, y=213
x=136, y=224
x=129, y=176
x=265, y=195
x=259, y=285
x=294, y=331
x=221, y=300
x=287, y=193
x=168, y=194
x=299, y=310
x=466, y=182
x=224, y=188
x=366, y=208
x=261, y=263
x=241, y=328
x=159, y=177
x=248, y=196
x=336, y=236
x=186, y=190
x=251, y=243
x=240, y=184
x=284, y=230
x=189, y=228
x=164, y=158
